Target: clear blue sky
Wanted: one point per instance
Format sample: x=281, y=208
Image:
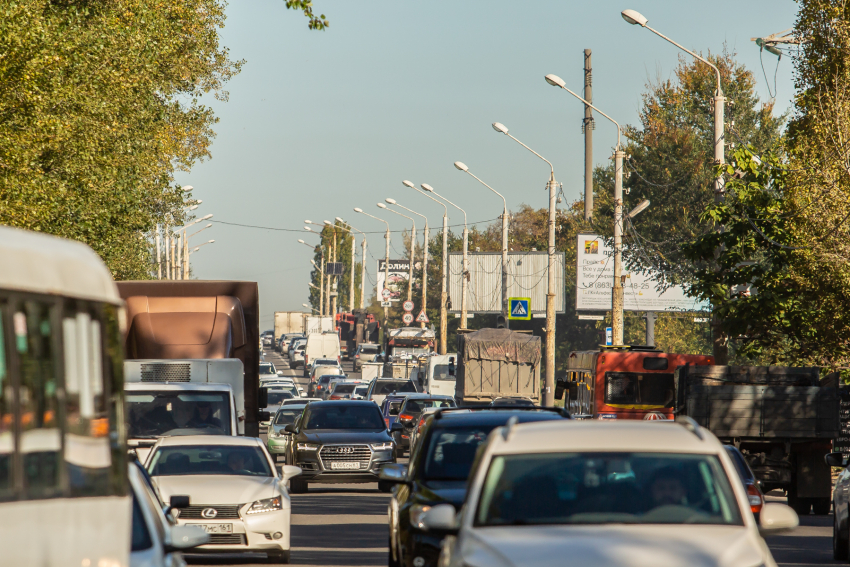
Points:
x=321, y=122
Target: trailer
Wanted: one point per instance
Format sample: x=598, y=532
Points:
x=497, y=363
x=286, y=322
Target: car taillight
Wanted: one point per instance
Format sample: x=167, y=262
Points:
x=754, y=496
x=406, y=417
x=420, y=424
x=387, y=421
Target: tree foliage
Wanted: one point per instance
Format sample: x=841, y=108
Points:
x=306, y=6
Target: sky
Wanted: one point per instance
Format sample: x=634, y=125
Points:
x=320, y=122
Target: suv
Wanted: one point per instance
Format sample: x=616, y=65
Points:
x=437, y=473
x=319, y=387
x=338, y=441
x=380, y=388
x=610, y=493
x=409, y=413
x=365, y=352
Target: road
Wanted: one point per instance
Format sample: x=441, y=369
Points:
x=347, y=525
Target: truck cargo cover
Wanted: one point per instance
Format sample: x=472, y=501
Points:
x=501, y=345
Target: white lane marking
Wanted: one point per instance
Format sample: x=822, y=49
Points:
x=319, y=520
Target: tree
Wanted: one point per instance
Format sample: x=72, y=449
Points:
x=306, y=6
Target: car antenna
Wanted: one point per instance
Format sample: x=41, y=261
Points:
x=508, y=429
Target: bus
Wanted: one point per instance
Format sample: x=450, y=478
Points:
x=623, y=382
x=64, y=498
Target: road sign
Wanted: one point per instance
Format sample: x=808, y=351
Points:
x=407, y=318
x=408, y=306
x=386, y=293
x=519, y=308
x=609, y=336
x=386, y=304
x=591, y=317
x=422, y=317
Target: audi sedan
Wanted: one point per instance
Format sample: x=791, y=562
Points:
x=339, y=441
x=237, y=495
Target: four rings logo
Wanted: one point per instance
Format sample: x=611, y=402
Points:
x=209, y=513
x=344, y=450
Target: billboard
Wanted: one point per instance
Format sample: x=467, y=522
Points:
x=527, y=278
x=398, y=272
x=595, y=282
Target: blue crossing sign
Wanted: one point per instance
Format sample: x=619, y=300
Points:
x=519, y=308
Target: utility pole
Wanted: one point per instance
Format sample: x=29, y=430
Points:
x=410, y=264
x=185, y=256
x=362, y=273
x=444, y=296
x=351, y=292
x=650, y=327
x=171, y=273
x=425, y=271
x=386, y=283
x=158, y=254
x=587, y=127
x=617, y=300
x=549, y=383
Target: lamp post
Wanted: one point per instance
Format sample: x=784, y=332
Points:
x=330, y=310
x=424, y=255
x=353, y=252
x=362, y=264
x=199, y=246
x=386, y=266
x=321, y=273
x=465, y=275
x=720, y=348
x=412, y=248
x=462, y=167
x=186, y=241
x=308, y=306
x=549, y=391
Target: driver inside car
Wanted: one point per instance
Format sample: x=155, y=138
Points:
x=203, y=416
x=667, y=489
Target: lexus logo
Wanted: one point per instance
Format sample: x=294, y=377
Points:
x=345, y=450
x=209, y=513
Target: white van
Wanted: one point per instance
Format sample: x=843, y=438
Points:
x=435, y=377
x=320, y=345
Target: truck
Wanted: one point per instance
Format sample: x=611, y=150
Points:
x=783, y=420
x=436, y=374
x=318, y=324
x=177, y=327
x=287, y=322
x=408, y=343
x=497, y=363
x=355, y=329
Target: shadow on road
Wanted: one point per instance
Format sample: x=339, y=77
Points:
x=328, y=504
x=330, y=557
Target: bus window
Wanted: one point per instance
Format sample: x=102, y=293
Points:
x=40, y=436
x=632, y=388
x=7, y=435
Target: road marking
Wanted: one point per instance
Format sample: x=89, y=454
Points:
x=342, y=549
x=319, y=520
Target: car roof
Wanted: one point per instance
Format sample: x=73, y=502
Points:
x=491, y=416
x=346, y=402
x=300, y=405
x=626, y=435
x=229, y=440
x=296, y=401
x=421, y=395
x=176, y=387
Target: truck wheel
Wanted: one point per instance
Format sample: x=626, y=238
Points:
x=821, y=506
x=840, y=545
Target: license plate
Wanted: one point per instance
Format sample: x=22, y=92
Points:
x=345, y=466
x=216, y=528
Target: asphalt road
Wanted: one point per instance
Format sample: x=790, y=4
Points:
x=347, y=525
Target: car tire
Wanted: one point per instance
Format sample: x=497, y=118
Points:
x=298, y=486
x=281, y=558
x=399, y=453
x=821, y=506
x=840, y=546
x=385, y=486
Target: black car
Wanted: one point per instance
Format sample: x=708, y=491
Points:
x=408, y=415
x=339, y=441
x=439, y=466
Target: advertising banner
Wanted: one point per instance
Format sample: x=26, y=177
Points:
x=595, y=282
x=398, y=271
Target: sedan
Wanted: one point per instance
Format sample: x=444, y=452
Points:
x=278, y=441
x=237, y=496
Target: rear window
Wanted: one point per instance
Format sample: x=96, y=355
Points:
x=633, y=388
x=343, y=388
x=368, y=350
x=325, y=362
x=325, y=379
x=416, y=406
x=388, y=387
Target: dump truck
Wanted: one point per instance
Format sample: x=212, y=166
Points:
x=191, y=330
x=782, y=419
x=497, y=363
x=287, y=322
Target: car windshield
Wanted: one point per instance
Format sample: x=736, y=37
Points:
x=287, y=415
x=603, y=488
x=361, y=390
x=158, y=413
x=266, y=368
x=416, y=406
x=325, y=362
x=383, y=387
x=326, y=378
x=333, y=416
x=343, y=388
x=276, y=398
x=209, y=459
x=451, y=452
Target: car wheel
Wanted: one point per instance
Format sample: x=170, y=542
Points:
x=385, y=486
x=399, y=452
x=281, y=558
x=821, y=506
x=298, y=486
x=840, y=545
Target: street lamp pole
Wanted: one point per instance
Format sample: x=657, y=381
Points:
x=444, y=325
x=720, y=347
x=462, y=167
x=308, y=306
x=353, y=255
x=549, y=390
x=464, y=280
x=386, y=267
x=424, y=255
x=362, y=264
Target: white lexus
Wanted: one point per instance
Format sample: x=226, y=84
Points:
x=237, y=495
x=627, y=494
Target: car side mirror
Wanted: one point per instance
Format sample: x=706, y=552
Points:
x=835, y=460
x=290, y=471
x=263, y=415
x=263, y=397
x=290, y=428
x=397, y=427
x=181, y=538
x=775, y=518
x=440, y=519
x=394, y=473
x=177, y=502
x=280, y=372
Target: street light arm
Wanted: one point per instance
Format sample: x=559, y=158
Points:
x=452, y=204
x=376, y=218
x=445, y=208
x=532, y=151
x=597, y=110
x=490, y=188
x=411, y=210
x=401, y=214
x=686, y=50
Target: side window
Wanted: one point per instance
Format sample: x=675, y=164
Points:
x=40, y=435
x=7, y=415
x=141, y=538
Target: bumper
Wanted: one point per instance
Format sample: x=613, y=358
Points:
x=277, y=447
x=314, y=469
x=402, y=438
x=266, y=533
x=419, y=544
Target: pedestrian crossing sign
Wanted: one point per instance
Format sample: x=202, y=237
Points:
x=519, y=308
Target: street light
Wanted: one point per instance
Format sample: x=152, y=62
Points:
x=465, y=271
x=424, y=255
x=362, y=262
x=308, y=306
x=412, y=245
x=549, y=392
x=462, y=167
x=640, y=207
x=386, y=267
x=321, y=272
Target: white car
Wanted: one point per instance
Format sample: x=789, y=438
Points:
x=625, y=494
x=237, y=496
x=296, y=356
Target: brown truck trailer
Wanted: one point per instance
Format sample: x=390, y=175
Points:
x=195, y=319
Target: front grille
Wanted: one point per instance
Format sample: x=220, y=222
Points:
x=228, y=539
x=223, y=512
x=345, y=454
x=158, y=372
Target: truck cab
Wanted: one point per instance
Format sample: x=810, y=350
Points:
x=437, y=374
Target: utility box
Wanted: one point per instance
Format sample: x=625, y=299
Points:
x=497, y=363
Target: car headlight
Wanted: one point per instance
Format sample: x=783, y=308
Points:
x=416, y=513
x=267, y=505
x=307, y=446
x=383, y=446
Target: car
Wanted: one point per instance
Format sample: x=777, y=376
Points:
x=278, y=439
x=437, y=473
x=296, y=355
x=276, y=396
x=339, y=441
x=390, y=407
x=409, y=412
x=502, y=402
x=629, y=493
x=360, y=391
x=237, y=495
x=365, y=353
x=156, y=540
x=268, y=369
x=287, y=385
x=324, y=365
x=748, y=479
x=320, y=385
x=336, y=379
x=840, y=508
x=301, y=401
x=287, y=339
x=267, y=337
x=380, y=388
x=341, y=389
